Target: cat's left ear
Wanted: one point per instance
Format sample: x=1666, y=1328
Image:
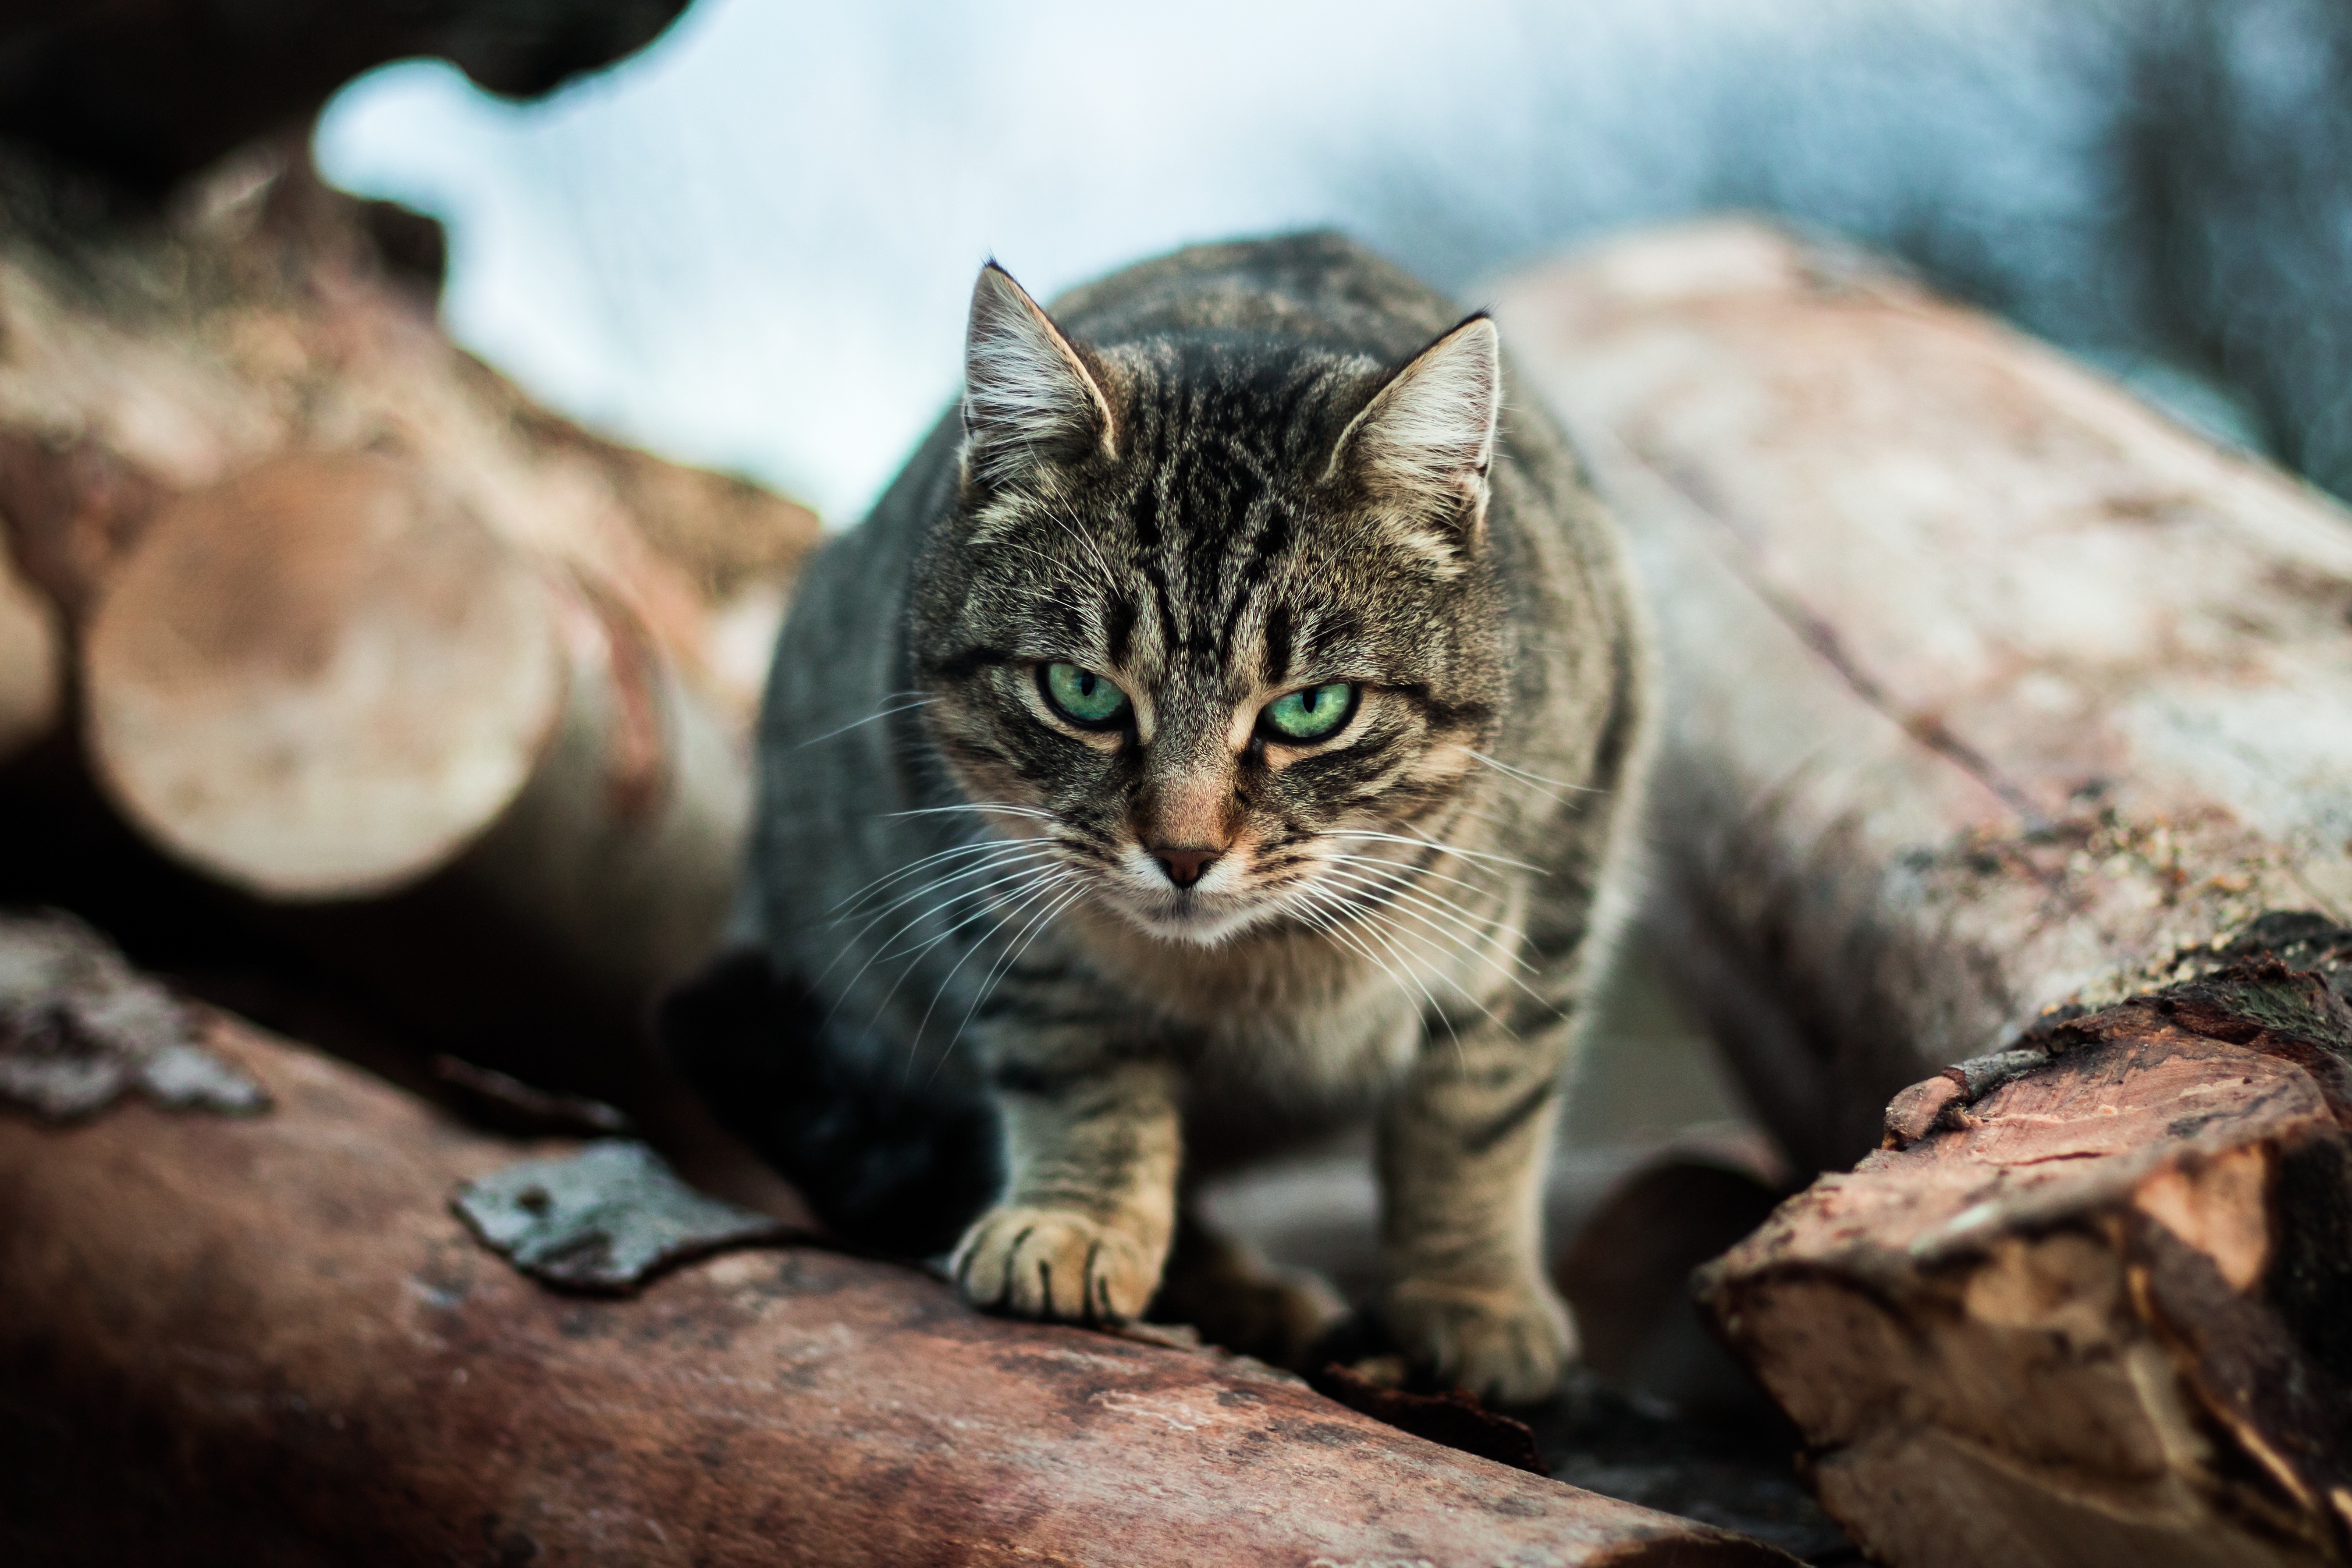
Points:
x=1427, y=438
x=1029, y=394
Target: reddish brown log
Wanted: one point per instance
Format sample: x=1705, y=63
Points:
x=267, y=1341
x=2104, y=1315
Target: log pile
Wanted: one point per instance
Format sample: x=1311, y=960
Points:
x=342, y=613
x=2007, y=726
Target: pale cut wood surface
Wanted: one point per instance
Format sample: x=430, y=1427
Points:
x=1987, y=688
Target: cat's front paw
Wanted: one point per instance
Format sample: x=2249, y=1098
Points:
x=1507, y=1344
x=1057, y=1264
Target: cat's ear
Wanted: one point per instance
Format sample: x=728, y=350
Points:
x=1426, y=439
x=1028, y=393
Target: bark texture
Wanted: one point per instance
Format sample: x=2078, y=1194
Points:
x=2093, y=1303
x=2007, y=726
x=268, y=1339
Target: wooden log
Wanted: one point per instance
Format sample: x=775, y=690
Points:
x=1987, y=688
x=2099, y=1315
x=269, y=1340
x=568, y=776
x=32, y=661
x=142, y=360
x=1999, y=713
x=323, y=679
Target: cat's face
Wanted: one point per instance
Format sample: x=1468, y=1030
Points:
x=1213, y=620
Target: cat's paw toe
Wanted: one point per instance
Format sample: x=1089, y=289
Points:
x=1055, y=1264
x=1506, y=1345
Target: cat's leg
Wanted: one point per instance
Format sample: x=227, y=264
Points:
x=1462, y=1148
x=1089, y=1201
x=1238, y=1299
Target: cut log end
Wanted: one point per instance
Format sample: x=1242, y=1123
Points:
x=319, y=678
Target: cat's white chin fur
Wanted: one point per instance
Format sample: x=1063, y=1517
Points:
x=1204, y=916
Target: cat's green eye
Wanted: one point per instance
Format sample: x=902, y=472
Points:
x=1313, y=714
x=1085, y=698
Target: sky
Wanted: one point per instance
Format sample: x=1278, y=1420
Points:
x=751, y=244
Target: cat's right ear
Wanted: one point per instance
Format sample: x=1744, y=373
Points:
x=1029, y=394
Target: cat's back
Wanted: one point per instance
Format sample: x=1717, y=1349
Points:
x=1319, y=288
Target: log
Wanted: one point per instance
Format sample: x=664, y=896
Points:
x=1988, y=689
x=323, y=679
x=32, y=662
x=143, y=360
x=2103, y=1315
x=268, y=1339
x=2006, y=725
x=347, y=614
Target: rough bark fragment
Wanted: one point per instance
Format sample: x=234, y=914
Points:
x=605, y=1219
x=80, y=1029
x=338, y=1371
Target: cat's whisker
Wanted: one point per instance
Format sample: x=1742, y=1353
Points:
x=881, y=884
x=1415, y=884
x=1030, y=931
x=883, y=949
x=983, y=807
x=1026, y=884
x=1522, y=773
x=1371, y=928
x=1424, y=843
x=1475, y=927
x=1043, y=889
x=1396, y=936
x=1417, y=870
x=1068, y=521
x=1469, y=949
x=869, y=719
x=948, y=903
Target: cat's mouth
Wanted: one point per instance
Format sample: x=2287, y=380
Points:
x=1213, y=910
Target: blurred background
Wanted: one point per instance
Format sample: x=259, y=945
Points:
x=751, y=244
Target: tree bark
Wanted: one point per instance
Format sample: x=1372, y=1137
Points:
x=268, y=1339
x=2008, y=725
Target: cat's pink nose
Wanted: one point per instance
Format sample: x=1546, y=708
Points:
x=1184, y=866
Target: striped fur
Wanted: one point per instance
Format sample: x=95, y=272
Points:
x=1214, y=478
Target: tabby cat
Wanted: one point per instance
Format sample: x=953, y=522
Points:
x=1224, y=729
